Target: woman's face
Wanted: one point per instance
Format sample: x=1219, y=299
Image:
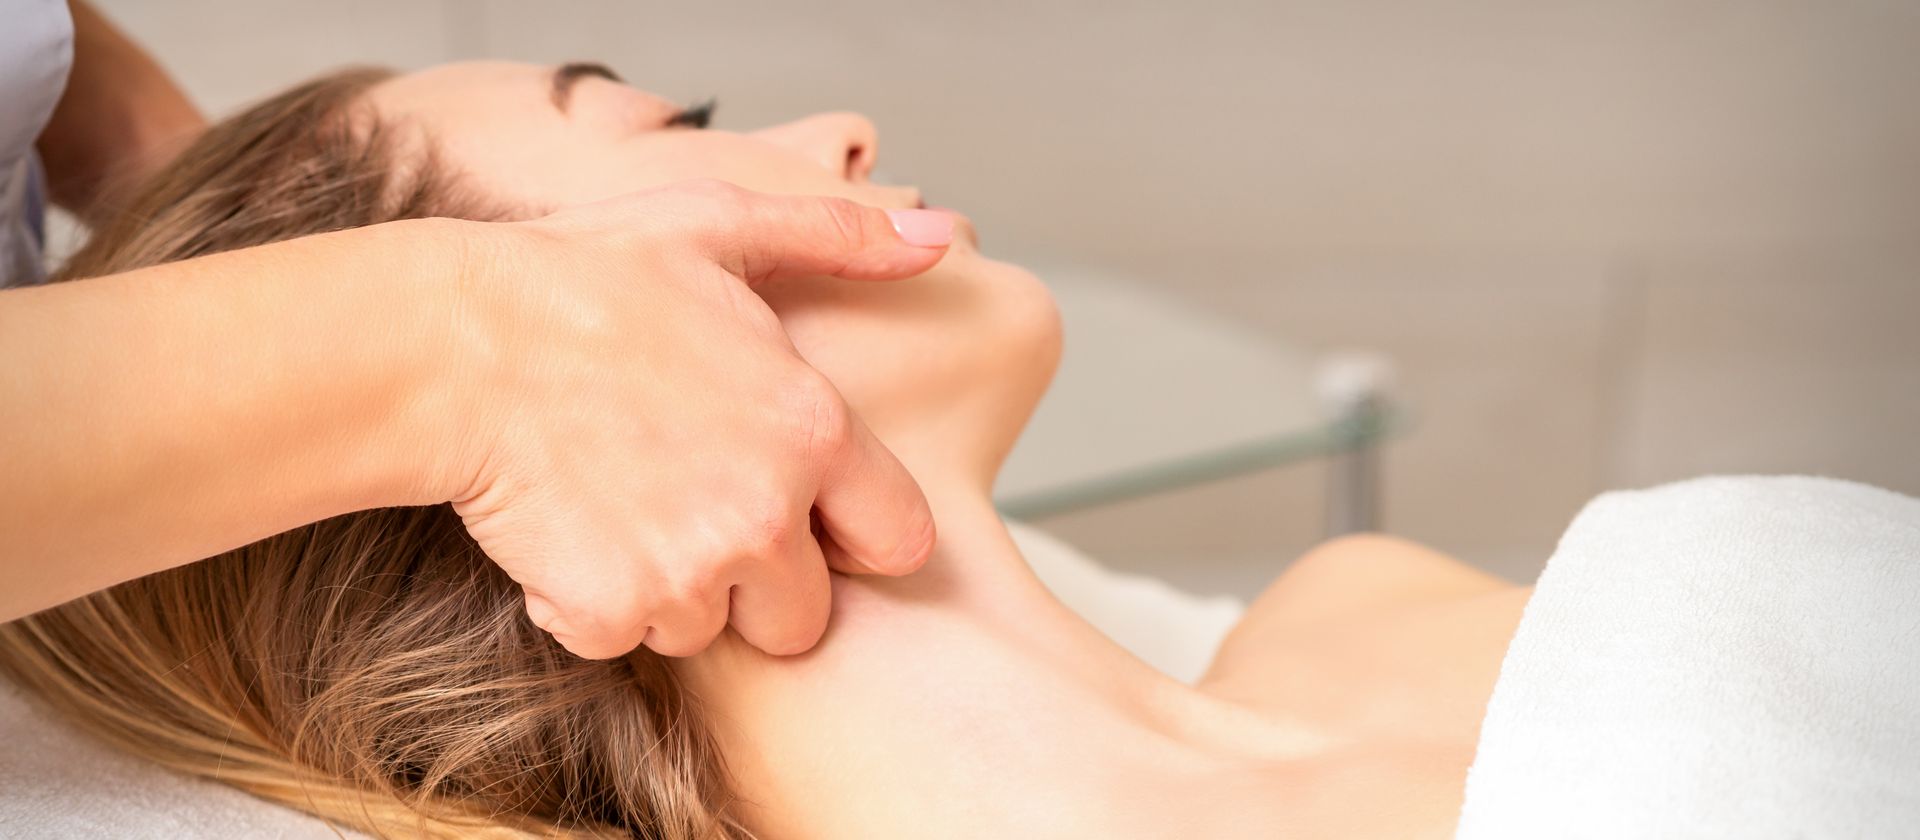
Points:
x=945, y=366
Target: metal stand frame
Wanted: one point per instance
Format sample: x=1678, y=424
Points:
x=1353, y=473
x=1355, y=390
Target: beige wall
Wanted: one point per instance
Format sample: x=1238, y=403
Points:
x=1611, y=243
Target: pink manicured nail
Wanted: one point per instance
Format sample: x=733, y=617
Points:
x=925, y=228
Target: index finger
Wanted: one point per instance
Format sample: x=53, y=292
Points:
x=873, y=509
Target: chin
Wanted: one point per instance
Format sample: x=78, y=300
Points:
x=1026, y=339
x=1030, y=323
x=945, y=368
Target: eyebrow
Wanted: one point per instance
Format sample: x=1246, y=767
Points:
x=567, y=74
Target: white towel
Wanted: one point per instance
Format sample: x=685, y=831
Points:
x=1720, y=658
x=58, y=783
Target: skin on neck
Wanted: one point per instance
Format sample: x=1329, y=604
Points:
x=965, y=699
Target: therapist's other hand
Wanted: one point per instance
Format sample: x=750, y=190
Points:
x=652, y=459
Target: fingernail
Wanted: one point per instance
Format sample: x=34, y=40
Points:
x=924, y=228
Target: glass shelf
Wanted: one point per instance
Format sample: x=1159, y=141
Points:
x=1153, y=394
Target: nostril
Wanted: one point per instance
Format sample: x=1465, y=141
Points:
x=857, y=161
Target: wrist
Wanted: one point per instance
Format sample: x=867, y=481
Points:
x=473, y=301
x=440, y=334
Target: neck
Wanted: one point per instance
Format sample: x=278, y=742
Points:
x=977, y=567
x=967, y=683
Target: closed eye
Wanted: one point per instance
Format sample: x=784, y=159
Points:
x=567, y=74
x=693, y=116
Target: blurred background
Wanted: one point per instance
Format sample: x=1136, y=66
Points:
x=1604, y=244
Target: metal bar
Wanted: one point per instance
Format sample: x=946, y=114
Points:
x=1340, y=436
x=1353, y=494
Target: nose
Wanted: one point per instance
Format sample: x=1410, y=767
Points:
x=841, y=142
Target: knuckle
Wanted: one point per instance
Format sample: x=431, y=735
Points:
x=679, y=646
x=769, y=530
x=542, y=612
x=822, y=421
x=757, y=525
x=600, y=621
x=798, y=636
x=692, y=582
x=598, y=647
x=709, y=219
x=849, y=220
x=614, y=604
x=716, y=196
x=755, y=317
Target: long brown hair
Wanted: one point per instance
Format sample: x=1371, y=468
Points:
x=373, y=669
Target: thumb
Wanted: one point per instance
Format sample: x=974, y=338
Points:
x=760, y=237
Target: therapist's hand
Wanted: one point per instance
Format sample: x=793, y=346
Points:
x=650, y=459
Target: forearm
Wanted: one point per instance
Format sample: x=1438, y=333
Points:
x=160, y=416
x=120, y=117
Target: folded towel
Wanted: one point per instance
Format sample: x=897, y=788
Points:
x=1725, y=657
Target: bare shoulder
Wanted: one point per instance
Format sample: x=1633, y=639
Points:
x=1390, y=647
x=1373, y=633
x=1400, y=789
x=1366, y=573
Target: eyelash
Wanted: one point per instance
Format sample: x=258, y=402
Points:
x=695, y=116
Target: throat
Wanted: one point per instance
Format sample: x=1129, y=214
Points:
x=968, y=683
x=978, y=573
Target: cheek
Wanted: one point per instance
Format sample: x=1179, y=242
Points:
x=596, y=171
x=535, y=172
x=545, y=171
x=668, y=156
x=565, y=168
x=593, y=170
